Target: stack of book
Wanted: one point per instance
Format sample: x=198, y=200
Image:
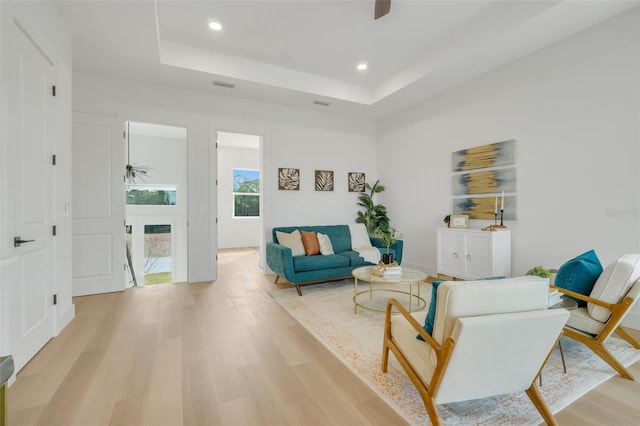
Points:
x=392, y=271
x=555, y=297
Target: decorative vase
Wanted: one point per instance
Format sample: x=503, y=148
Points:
x=387, y=258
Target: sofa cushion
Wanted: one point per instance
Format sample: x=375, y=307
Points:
x=315, y=263
x=579, y=274
x=325, y=244
x=354, y=258
x=614, y=283
x=292, y=240
x=310, y=243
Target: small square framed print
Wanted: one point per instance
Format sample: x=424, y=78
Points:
x=459, y=221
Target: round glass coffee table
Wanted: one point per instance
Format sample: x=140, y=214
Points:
x=409, y=278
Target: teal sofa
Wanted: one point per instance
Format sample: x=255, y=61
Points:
x=303, y=270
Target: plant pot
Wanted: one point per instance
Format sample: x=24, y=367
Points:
x=387, y=258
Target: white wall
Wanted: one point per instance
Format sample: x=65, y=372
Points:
x=573, y=109
x=240, y=231
x=292, y=138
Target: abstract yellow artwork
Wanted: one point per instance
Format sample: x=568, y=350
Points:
x=485, y=182
x=481, y=157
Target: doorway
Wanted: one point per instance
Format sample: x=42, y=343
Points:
x=156, y=204
x=240, y=203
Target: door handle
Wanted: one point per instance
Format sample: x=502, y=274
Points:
x=17, y=241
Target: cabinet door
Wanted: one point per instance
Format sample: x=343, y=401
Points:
x=478, y=255
x=449, y=253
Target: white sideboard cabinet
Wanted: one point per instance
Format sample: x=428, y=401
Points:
x=472, y=254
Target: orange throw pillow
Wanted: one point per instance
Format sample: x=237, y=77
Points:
x=310, y=243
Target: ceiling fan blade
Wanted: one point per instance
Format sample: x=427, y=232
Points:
x=382, y=8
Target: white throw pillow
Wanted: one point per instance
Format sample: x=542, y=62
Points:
x=359, y=236
x=325, y=244
x=293, y=241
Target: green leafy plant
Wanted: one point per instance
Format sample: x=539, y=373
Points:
x=539, y=271
x=374, y=215
x=388, y=237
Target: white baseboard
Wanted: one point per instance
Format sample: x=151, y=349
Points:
x=64, y=318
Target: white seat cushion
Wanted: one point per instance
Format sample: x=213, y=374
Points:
x=419, y=353
x=582, y=321
x=613, y=284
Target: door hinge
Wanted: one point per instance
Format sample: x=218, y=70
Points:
x=54, y=230
x=55, y=299
x=216, y=220
x=53, y=159
x=53, y=90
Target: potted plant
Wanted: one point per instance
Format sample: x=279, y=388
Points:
x=374, y=215
x=540, y=271
x=388, y=238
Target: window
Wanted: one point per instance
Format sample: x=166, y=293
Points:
x=246, y=193
x=151, y=195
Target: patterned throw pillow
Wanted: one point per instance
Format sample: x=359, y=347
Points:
x=579, y=274
x=325, y=244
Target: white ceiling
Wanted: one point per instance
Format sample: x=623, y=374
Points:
x=296, y=52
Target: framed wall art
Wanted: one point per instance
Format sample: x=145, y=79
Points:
x=484, y=156
x=484, y=182
x=485, y=207
x=324, y=180
x=288, y=179
x=355, y=181
x=459, y=221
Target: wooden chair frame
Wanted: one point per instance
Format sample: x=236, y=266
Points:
x=428, y=391
x=596, y=343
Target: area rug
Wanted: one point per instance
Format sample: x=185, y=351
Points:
x=326, y=310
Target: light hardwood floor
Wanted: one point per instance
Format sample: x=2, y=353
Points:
x=221, y=353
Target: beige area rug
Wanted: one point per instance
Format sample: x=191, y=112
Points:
x=326, y=310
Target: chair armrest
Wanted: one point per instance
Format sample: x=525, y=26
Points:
x=582, y=297
x=393, y=303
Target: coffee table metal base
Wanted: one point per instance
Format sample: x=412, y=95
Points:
x=421, y=303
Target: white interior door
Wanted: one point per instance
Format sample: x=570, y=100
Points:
x=27, y=166
x=98, y=151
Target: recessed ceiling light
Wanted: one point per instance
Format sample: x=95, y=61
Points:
x=362, y=66
x=215, y=26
